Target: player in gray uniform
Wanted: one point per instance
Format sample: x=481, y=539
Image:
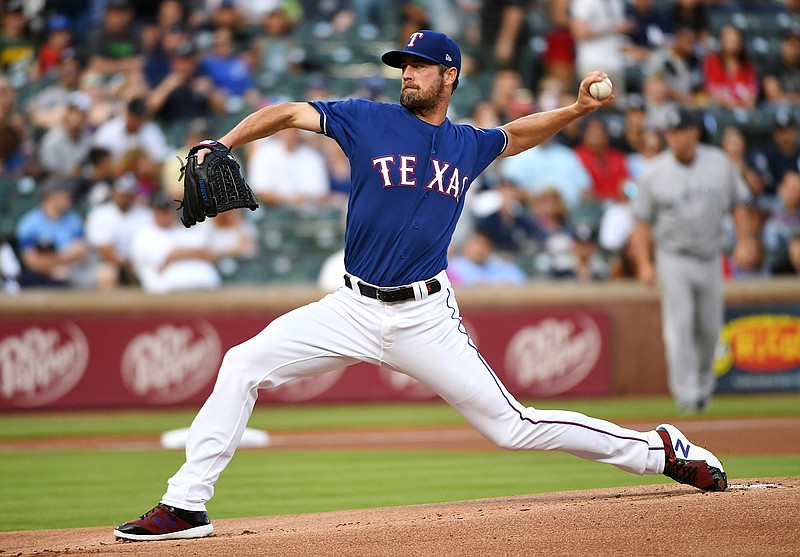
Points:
x=683, y=200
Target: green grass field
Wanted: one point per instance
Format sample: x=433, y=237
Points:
x=43, y=488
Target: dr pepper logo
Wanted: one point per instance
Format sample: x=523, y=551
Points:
x=554, y=355
x=759, y=344
x=41, y=364
x=171, y=363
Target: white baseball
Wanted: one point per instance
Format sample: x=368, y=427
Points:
x=601, y=89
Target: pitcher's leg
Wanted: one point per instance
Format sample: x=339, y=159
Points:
x=443, y=357
x=308, y=341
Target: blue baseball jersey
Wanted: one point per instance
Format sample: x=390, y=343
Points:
x=409, y=180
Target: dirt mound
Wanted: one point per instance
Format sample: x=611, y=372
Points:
x=754, y=517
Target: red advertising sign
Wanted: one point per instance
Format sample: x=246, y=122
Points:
x=172, y=360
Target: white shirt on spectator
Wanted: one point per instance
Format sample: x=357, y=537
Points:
x=112, y=135
x=274, y=169
x=152, y=245
x=107, y=225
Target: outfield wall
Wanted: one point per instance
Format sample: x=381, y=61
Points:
x=130, y=349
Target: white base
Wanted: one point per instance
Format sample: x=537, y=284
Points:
x=176, y=438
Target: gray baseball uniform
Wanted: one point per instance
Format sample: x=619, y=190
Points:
x=686, y=206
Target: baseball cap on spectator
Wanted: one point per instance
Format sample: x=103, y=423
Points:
x=15, y=7
x=118, y=5
x=160, y=200
x=583, y=232
x=126, y=183
x=79, y=100
x=185, y=49
x=785, y=119
x=682, y=118
x=430, y=45
x=55, y=184
x=58, y=22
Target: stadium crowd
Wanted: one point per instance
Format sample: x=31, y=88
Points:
x=99, y=99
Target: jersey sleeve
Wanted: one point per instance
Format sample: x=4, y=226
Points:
x=338, y=120
x=491, y=144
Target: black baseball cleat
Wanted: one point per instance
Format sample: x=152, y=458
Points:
x=164, y=522
x=690, y=464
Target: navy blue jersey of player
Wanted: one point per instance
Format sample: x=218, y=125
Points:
x=409, y=181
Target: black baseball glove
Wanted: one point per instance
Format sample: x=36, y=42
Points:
x=214, y=186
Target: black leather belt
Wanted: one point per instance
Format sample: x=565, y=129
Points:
x=392, y=293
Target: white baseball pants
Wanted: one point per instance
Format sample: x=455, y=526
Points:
x=423, y=338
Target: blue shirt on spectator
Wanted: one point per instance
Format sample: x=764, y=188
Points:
x=35, y=229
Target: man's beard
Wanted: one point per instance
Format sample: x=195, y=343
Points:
x=416, y=100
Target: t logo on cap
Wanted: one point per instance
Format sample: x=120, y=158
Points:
x=430, y=45
x=414, y=37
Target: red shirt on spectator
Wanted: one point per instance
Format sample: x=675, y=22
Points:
x=740, y=87
x=608, y=170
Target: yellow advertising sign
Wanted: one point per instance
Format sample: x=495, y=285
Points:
x=765, y=343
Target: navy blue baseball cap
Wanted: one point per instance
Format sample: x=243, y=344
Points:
x=430, y=45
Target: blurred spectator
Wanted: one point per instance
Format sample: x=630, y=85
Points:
x=477, y=263
x=132, y=130
x=504, y=35
x=330, y=274
x=633, y=128
x=559, y=56
x=10, y=268
x=278, y=53
x=781, y=76
x=227, y=15
x=145, y=170
x=783, y=222
x=790, y=265
x=57, y=40
x=779, y=155
x=114, y=49
x=693, y=14
x=185, y=92
x=599, y=29
x=51, y=241
x=284, y=170
x=614, y=235
x=171, y=18
x=17, y=45
x=336, y=15
x=63, y=149
x=658, y=104
x=680, y=65
x=158, y=58
x=110, y=229
x=549, y=164
x=232, y=235
x=97, y=175
x=605, y=164
x=338, y=167
x=651, y=29
x=197, y=130
x=500, y=214
x=46, y=108
x=731, y=79
x=167, y=257
x=80, y=13
x=550, y=213
x=651, y=144
x=15, y=142
x=230, y=72
x=506, y=93
x=734, y=143
x=589, y=264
